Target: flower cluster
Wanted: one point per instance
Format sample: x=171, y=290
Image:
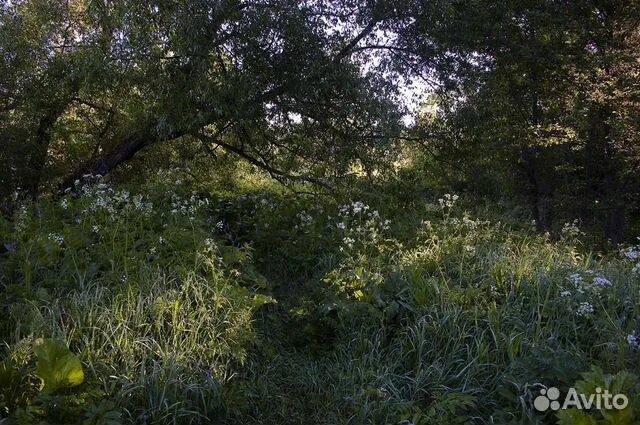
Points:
x=354, y=208
x=448, y=201
x=348, y=242
x=633, y=340
x=571, y=230
x=305, y=219
x=576, y=279
x=22, y=217
x=585, y=309
x=188, y=207
x=632, y=253
x=601, y=281
x=582, y=285
x=103, y=198
x=361, y=223
x=57, y=238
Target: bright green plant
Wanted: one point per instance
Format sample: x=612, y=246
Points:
x=622, y=382
x=56, y=366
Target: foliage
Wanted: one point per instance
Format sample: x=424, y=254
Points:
x=621, y=383
x=56, y=366
x=158, y=319
x=222, y=211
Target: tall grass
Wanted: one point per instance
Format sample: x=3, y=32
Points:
x=422, y=316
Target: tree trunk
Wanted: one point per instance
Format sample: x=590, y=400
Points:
x=125, y=150
x=38, y=154
x=540, y=190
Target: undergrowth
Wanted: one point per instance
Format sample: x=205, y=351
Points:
x=266, y=307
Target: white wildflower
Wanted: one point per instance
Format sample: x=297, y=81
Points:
x=57, y=238
x=341, y=226
x=305, y=218
x=348, y=242
x=358, y=207
x=585, y=309
x=21, y=219
x=448, y=201
x=571, y=230
x=576, y=279
x=632, y=253
x=565, y=294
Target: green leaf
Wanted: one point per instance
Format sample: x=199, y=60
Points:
x=574, y=417
x=57, y=367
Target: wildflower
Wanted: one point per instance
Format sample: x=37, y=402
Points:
x=633, y=340
x=565, y=294
x=305, y=218
x=209, y=244
x=348, y=242
x=571, y=230
x=57, y=238
x=21, y=220
x=585, y=309
x=601, y=281
x=358, y=207
x=632, y=253
x=138, y=202
x=576, y=279
x=161, y=240
x=153, y=250
x=341, y=226
x=64, y=204
x=95, y=229
x=220, y=225
x=448, y=201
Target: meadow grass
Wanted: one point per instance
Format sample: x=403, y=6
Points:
x=191, y=308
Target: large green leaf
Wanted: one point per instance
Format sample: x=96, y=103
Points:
x=56, y=366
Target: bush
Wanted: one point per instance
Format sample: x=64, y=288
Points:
x=143, y=289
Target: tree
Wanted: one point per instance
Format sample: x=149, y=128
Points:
x=266, y=80
x=544, y=91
